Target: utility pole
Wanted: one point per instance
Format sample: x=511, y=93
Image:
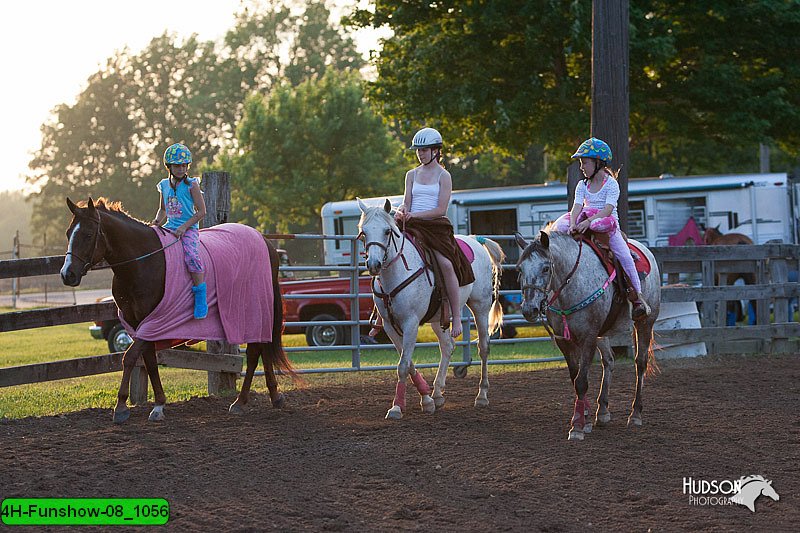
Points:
x=610, y=90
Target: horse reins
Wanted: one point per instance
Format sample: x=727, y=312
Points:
x=89, y=265
x=380, y=292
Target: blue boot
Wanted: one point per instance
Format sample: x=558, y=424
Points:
x=200, y=304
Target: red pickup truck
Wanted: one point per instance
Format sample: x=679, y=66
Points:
x=323, y=309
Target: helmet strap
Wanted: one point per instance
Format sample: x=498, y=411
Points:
x=600, y=165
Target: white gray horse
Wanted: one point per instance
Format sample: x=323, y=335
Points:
x=566, y=282
x=406, y=285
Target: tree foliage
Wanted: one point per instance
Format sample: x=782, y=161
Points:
x=299, y=147
x=110, y=141
x=708, y=80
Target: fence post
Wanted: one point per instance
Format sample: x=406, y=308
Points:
x=779, y=272
x=15, y=280
x=217, y=196
x=138, y=386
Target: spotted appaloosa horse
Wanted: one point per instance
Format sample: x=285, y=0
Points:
x=574, y=292
x=104, y=231
x=408, y=286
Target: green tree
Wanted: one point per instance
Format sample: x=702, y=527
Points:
x=708, y=80
x=111, y=140
x=299, y=147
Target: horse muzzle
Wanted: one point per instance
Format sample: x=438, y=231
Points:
x=69, y=277
x=374, y=266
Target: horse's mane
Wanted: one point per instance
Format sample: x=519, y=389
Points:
x=376, y=211
x=111, y=207
x=535, y=246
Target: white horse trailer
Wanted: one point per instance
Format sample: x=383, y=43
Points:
x=762, y=206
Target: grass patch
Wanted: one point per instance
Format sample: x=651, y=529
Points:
x=73, y=340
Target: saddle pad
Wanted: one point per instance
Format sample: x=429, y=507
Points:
x=238, y=284
x=468, y=252
x=640, y=260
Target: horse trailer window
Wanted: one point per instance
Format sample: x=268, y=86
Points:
x=672, y=214
x=637, y=228
x=345, y=226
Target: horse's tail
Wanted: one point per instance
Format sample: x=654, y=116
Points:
x=652, y=364
x=497, y=256
x=274, y=350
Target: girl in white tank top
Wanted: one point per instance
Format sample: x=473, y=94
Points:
x=425, y=205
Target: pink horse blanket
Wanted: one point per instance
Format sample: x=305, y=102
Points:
x=239, y=290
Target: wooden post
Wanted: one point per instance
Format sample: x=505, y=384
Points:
x=138, y=390
x=217, y=195
x=610, y=106
x=779, y=274
x=574, y=175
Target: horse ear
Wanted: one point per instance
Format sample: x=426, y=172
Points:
x=521, y=242
x=72, y=207
x=387, y=206
x=361, y=205
x=545, y=238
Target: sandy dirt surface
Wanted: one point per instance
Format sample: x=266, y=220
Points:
x=330, y=462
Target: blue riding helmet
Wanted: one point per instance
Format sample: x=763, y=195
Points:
x=177, y=154
x=594, y=148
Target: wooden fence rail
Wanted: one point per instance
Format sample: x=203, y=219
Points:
x=769, y=264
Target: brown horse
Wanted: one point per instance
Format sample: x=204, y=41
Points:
x=134, y=252
x=712, y=236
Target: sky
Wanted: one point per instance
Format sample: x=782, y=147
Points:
x=49, y=48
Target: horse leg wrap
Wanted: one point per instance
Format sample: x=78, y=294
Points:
x=419, y=382
x=400, y=395
x=578, y=418
x=200, y=303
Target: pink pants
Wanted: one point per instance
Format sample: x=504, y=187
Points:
x=616, y=242
x=190, y=242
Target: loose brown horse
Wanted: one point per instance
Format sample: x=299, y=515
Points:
x=712, y=236
x=104, y=231
x=715, y=237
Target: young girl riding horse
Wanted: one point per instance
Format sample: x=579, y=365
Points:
x=422, y=213
x=595, y=208
x=182, y=205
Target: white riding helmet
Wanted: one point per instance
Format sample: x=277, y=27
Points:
x=426, y=138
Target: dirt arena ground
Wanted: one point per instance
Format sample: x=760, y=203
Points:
x=330, y=462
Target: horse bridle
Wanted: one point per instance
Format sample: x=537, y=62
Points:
x=385, y=247
x=528, y=290
x=88, y=265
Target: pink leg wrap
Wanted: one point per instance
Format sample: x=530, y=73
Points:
x=578, y=418
x=400, y=395
x=419, y=382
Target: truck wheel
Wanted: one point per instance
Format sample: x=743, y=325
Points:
x=324, y=334
x=118, y=339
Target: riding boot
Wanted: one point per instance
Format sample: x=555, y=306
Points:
x=640, y=308
x=200, y=304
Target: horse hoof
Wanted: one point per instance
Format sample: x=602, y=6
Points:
x=156, y=415
x=395, y=413
x=121, y=416
x=235, y=408
x=280, y=401
x=575, y=434
x=634, y=422
x=481, y=402
x=603, y=419
x=587, y=427
x=428, y=405
x=439, y=402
